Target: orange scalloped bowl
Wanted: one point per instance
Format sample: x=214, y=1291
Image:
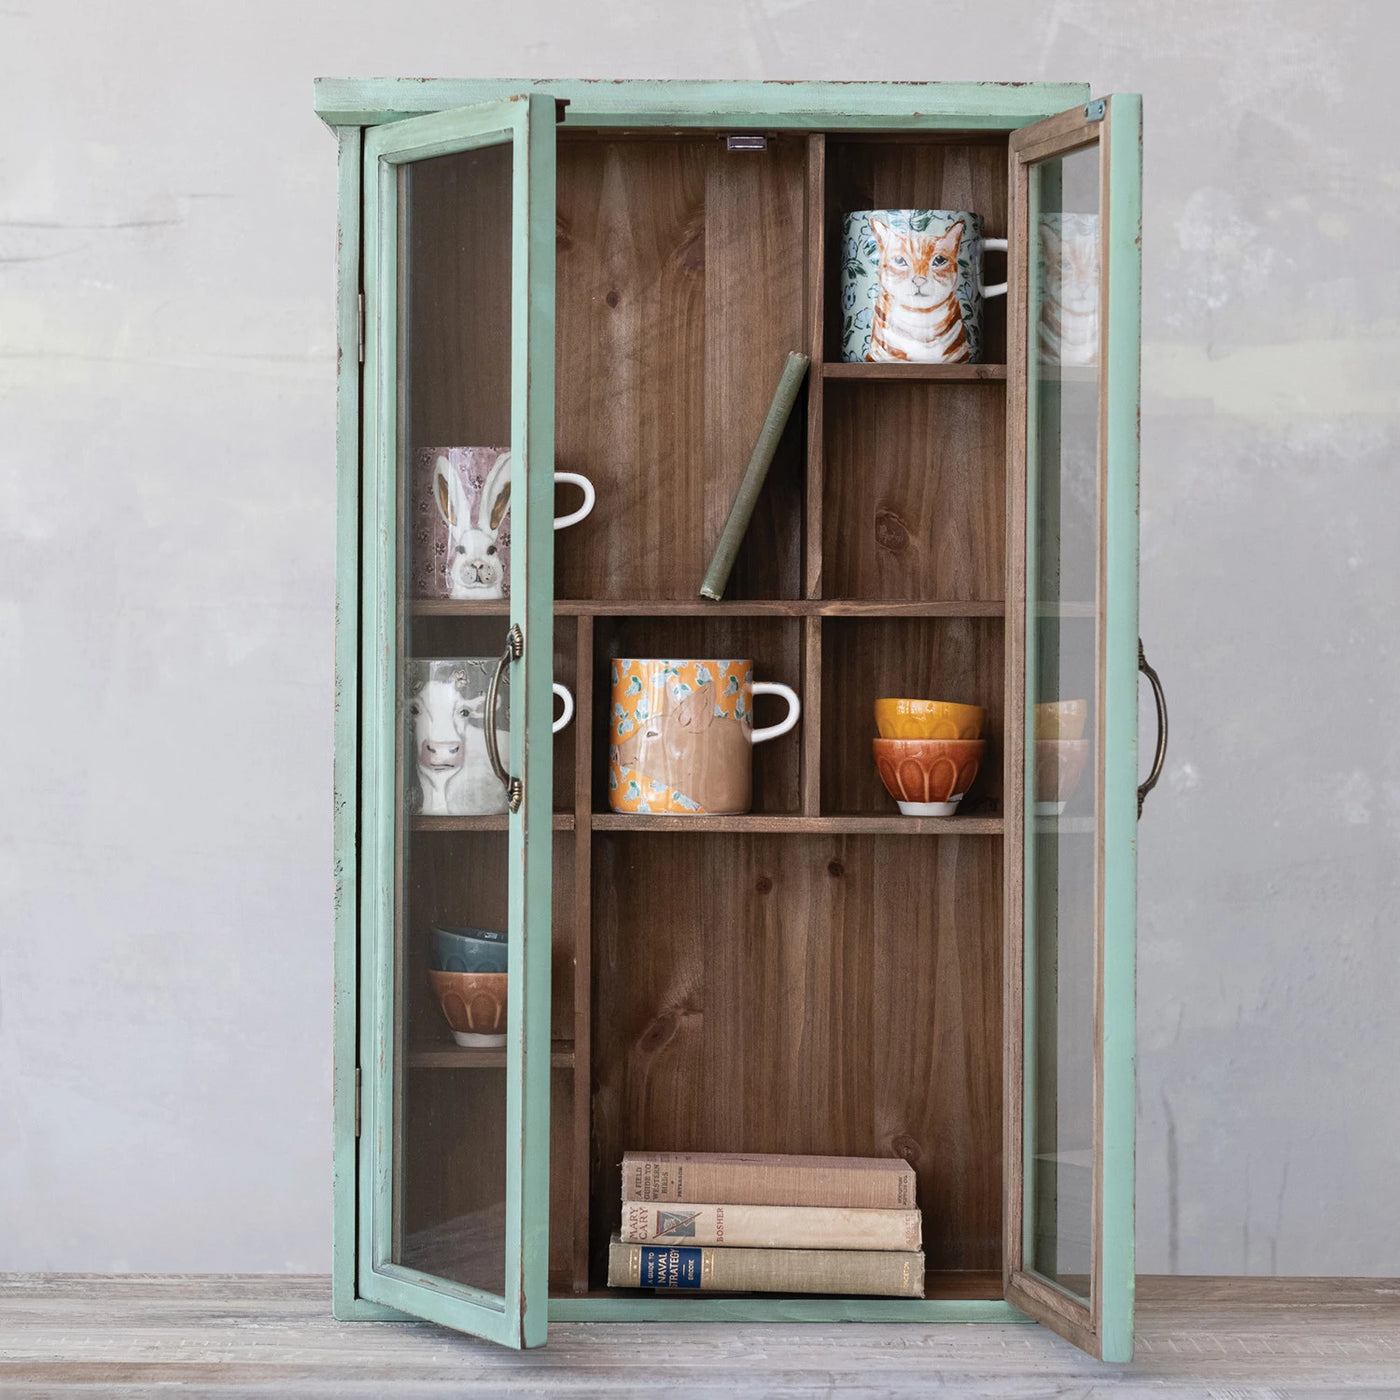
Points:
x=928, y=719
x=1059, y=765
x=928, y=777
x=474, y=1004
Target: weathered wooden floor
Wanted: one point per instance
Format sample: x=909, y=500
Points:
x=236, y=1336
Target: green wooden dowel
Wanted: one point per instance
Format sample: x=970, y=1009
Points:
x=722, y=561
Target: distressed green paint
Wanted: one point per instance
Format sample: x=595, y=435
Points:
x=1119, y=725
x=345, y=1304
x=520, y=1315
x=1031, y=653
x=675, y=103
x=767, y=1309
x=532, y=709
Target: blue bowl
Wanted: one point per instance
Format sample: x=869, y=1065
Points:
x=469, y=950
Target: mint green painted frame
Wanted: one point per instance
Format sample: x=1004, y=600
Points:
x=1103, y=1324
x=349, y=105
x=820, y=106
x=519, y=1317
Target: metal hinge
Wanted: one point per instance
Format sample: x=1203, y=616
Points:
x=362, y=327
x=357, y=1100
x=1094, y=112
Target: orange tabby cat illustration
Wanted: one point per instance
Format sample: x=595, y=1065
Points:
x=918, y=315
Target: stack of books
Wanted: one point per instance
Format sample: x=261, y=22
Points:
x=754, y=1223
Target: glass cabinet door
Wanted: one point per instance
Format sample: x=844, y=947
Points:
x=457, y=559
x=1073, y=367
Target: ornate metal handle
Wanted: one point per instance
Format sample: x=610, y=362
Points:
x=1160, y=757
x=515, y=649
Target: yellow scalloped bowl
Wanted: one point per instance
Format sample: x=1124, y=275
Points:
x=928, y=719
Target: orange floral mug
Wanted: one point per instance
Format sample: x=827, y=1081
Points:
x=682, y=735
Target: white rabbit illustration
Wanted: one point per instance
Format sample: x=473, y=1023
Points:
x=474, y=568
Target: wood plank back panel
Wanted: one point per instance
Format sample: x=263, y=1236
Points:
x=681, y=278
x=916, y=173
x=454, y=1122
x=454, y=1176
x=914, y=490
x=936, y=658
x=814, y=994
x=458, y=299
x=774, y=644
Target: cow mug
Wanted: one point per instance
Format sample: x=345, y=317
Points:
x=444, y=731
x=460, y=510
x=911, y=285
x=682, y=735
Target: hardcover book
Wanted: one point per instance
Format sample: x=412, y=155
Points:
x=768, y=1179
x=771, y=1227
x=864, y=1272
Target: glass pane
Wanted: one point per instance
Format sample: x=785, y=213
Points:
x=453, y=415
x=1062, y=836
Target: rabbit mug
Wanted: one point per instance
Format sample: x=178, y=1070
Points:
x=461, y=521
x=911, y=285
x=682, y=735
x=445, y=735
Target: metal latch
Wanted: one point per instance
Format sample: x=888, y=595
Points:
x=1094, y=112
x=750, y=141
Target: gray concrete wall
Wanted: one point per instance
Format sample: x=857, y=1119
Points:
x=166, y=241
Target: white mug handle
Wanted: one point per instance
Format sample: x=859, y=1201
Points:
x=794, y=713
x=994, y=245
x=589, y=496
x=563, y=693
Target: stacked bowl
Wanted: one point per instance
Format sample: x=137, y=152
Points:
x=468, y=975
x=1061, y=751
x=928, y=753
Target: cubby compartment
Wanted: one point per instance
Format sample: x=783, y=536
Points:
x=805, y=993
x=941, y=658
x=681, y=288
x=775, y=645
x=924, y=170
x=914, y=490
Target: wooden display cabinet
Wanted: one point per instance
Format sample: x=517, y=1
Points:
x=590, y=274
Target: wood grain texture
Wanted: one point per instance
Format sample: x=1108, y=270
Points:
x=919, y=373
x=680, y=276
x=456, y=288
x=580, y=896
x=913, y=173
x=958, y=659
x=454, y=1157
x=847, y=824
x=241, y=1336
x=824, y=994
x=816, y=318
x=913, y=490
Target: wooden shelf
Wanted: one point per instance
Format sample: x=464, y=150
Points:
x=752, y=607
x=905, y=373
x=778, y=823
x=563, y=821
x=561, y=1056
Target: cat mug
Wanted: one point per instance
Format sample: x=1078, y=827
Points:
x=911, y=285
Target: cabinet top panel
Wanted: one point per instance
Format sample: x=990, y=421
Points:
x=704, y=103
